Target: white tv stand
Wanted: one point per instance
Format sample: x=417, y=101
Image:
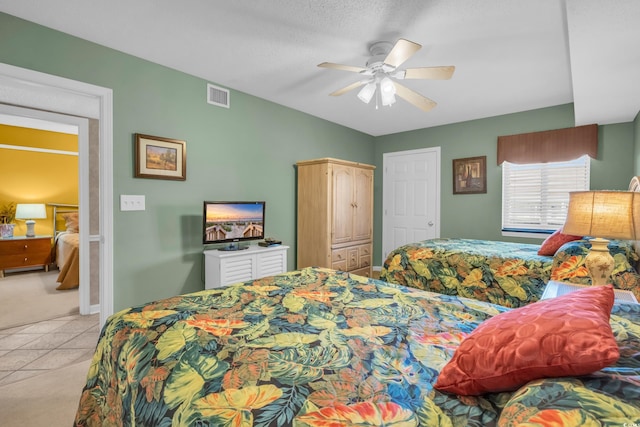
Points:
x=223, y=268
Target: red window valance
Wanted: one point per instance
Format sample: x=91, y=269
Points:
x=558, y=145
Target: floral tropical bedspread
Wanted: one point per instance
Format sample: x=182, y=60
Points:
x=317, y=347
x=505, y=273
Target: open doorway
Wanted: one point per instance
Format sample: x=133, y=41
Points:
x=40, y=159
x=78, y=103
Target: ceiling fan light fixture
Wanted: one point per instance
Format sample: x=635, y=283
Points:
x=387, y=91
x=387, y=86
x=383, y=66
x=366, y=93
x=388, y=99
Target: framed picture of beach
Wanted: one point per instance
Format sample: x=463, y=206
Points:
x=160, y=158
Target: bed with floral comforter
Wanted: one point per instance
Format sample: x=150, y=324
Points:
x=317, y=347
x=505, y=273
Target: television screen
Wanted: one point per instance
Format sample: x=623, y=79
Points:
x=228, y=222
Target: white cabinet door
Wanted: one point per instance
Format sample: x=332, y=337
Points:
x=271, y=263
x=223, y=268
x=237, y=269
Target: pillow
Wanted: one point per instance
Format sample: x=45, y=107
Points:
x=71, y=221
x=565, y=336
x=552, y=243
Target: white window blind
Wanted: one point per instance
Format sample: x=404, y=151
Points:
x=535, y=196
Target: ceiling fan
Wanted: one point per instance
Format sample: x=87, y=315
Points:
x=382, y=68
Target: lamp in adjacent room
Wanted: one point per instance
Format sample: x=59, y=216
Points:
x=29, y=212
x=603, y=215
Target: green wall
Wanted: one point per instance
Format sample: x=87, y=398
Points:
x=478, y=216
x=246, y=152
x=249, y=151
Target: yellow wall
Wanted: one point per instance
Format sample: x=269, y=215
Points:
x=37, y=177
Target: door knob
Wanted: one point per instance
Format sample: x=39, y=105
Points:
x=430, y=223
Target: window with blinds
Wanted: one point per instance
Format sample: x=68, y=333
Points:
x=535, y=196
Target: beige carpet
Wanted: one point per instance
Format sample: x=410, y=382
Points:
x=30, y=297
x=49, y=399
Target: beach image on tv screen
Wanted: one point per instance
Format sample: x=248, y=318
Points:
x=233, y=221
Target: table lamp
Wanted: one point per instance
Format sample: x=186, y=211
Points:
x=603, y=215
x=29, y=212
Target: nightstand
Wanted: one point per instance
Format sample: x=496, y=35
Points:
x=25, y=252
x=556, y=289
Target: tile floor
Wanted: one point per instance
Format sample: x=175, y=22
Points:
x=32, y=349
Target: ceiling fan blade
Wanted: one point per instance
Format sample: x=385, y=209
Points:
x=435, y=73
x=341, y=67
x=422, y=102
x=402, y=50
x=347, y=89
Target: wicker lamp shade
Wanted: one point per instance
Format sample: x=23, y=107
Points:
x=603, y=215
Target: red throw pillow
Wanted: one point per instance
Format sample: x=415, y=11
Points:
x=565, y=336
x=552, y=243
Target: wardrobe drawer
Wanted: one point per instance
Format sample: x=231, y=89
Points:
x=365, y=261
x=364, y=255
x=352, y=258
x=338, y=255
x=339, y=265
x=366, y=272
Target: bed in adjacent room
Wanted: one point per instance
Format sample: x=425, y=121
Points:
x=318, y=347
x=66, y=253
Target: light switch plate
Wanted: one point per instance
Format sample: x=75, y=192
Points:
x=131, y=203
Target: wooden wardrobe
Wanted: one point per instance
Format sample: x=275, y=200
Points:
x=335, y=215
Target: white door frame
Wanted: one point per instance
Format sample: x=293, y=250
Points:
x=385, y=192
x=33, y=89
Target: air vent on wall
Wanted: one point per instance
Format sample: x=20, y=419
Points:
x=218, y=96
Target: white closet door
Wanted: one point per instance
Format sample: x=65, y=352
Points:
x=411, y=197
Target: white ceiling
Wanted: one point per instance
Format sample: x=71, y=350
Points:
x=510, y=55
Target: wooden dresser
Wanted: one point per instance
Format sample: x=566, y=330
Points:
x=335, y=215
x=24, y=252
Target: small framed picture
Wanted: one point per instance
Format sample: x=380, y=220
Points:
x=470, y=175
x=160, y=158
